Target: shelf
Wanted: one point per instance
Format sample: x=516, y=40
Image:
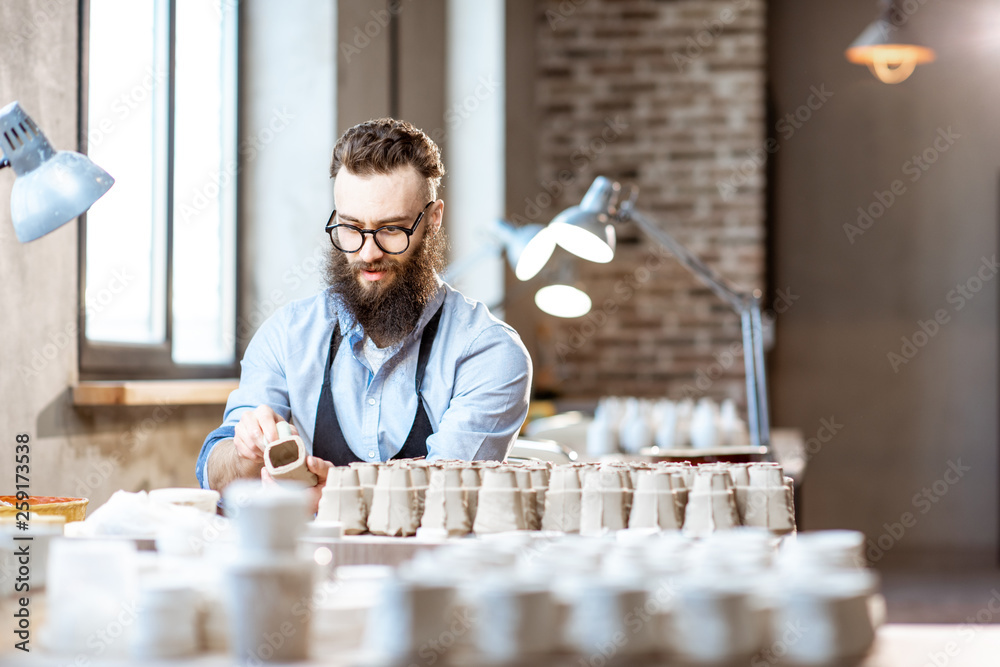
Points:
x=154, y=392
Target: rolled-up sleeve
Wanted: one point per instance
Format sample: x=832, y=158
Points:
x=262, y=382
x=489, y=401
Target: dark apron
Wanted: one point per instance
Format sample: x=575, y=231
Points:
x=328, y=440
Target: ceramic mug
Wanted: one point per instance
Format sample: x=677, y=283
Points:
x=267, y=598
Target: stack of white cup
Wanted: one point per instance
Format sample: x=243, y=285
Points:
x=166, y=621
x=269, y=586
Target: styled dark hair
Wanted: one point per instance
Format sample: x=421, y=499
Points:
x=382, y=145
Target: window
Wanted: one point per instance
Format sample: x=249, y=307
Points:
x=158, y=253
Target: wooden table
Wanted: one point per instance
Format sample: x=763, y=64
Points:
x=897, y=646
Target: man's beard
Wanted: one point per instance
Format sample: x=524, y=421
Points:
x=387, y=313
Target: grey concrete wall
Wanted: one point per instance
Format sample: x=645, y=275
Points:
x=288, y=112
x=77, y=452
x=901, y=423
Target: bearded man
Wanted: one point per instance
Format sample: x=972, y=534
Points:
x=389, y=361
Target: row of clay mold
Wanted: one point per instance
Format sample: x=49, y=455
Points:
x=455, y=498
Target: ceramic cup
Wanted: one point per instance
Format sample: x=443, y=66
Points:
x=166, y=621
x=205, y=500
x=268, y=518
x=713, y=621
x=515, y=620
x=413, y=616
x=266, y=596
x=826, y=616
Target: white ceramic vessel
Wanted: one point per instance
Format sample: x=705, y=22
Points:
x=205, y=500
x=266, y=597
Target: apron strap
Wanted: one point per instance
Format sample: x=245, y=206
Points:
x=329, y=442
x=416, y=442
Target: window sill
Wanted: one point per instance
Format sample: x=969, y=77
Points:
x=154, y=392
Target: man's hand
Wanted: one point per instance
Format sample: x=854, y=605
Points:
x=225, y=465
x=243, y=456
x=257, y=427
x=315, y=465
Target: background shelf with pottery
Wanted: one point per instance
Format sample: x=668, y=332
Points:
x=665, y=430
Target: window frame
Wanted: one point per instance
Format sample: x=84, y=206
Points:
x=124, y=361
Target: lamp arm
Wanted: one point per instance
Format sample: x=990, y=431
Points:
x=763, y=409
x=710, y=278
x=758, y=422
x=748, y=307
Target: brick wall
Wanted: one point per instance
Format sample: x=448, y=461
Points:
x=668, y=95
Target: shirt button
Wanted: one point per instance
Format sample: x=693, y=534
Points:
x=371, y=455
x=371, y=401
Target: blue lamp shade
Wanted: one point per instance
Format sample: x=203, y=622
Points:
x=52, y=187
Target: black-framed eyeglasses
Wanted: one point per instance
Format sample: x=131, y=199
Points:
x=391, y=240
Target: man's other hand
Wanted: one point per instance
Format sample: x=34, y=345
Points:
x=257, y=427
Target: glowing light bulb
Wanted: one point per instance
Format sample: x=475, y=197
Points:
x=563, y=301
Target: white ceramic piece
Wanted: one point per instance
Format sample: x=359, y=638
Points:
x=728, y=424
x=740, y=476
x=94, y=581
x=285, y=458
x=205, y=500
x=770, y=501
x=500, y=507
x=445, y=507
x=515, y=621
x=343, y=501
x=603, y=613
x=471, y=481
x=636, y=431
x=604, y=505
x=395, y=504
x=166, y=621
x=265, y=601
x=654, y=503
x=831, y=616
x=529, y=499
x=823, y=551
x=562, y=501
x=413, y=616
x=42, y=529
x=268, y=518
x=713, y=622
x=711, y=504
x=666, y=430
x=367, y=476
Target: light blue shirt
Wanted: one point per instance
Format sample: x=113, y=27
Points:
x=475, y=388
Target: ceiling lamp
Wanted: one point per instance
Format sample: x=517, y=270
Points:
x=887, y=48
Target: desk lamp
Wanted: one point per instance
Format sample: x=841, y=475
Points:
x=52, y=187
x=527, y=248
x=603, y=206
